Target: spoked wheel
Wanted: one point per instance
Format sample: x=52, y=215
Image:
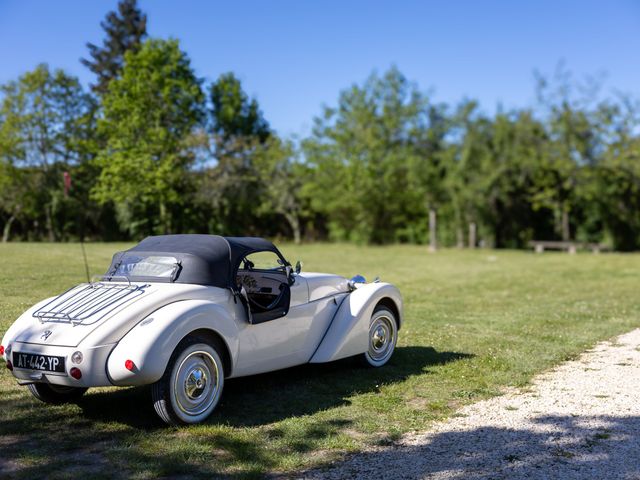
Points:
x=55, y=394
x=192, y=385
x=383, y=335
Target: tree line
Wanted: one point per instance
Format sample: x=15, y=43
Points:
x=151, y=148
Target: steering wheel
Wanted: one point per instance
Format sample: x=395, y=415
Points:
x=272, y=305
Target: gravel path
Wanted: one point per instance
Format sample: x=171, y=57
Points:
x=579, y=421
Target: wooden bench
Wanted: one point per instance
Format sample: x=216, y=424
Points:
x=540, y=246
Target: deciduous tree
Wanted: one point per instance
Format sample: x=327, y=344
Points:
x=149, y=114
x=47, y=123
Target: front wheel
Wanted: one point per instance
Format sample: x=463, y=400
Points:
x=55, y=394
x=192, y=384
x=383, y=335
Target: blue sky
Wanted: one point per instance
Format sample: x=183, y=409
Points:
x=295, y=56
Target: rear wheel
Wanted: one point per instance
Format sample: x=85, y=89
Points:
x=383, y=335
x=192, y=384
x=55, y=394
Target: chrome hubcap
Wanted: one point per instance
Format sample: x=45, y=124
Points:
x=381, y=338
x=196, y=385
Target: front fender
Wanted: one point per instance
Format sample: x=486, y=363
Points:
x=348, y=333
x=152, y=341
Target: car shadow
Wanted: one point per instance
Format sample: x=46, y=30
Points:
x=71, y=440
x=270, y=397
x=309, y=388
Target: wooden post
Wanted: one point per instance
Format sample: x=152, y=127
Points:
x=572, y=249
x=566, y=233
x=472, y=235
x=432, y=230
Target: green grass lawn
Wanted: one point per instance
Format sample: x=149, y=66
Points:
x=475, y=322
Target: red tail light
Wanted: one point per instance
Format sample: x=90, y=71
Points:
x=9, y=365
x=1, y=349
x=75, y=373
x=129, y=365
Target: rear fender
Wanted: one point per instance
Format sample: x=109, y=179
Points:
x=152, y=341
x=348, y=333
x=23, y=323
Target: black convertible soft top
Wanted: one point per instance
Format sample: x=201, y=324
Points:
x=201, y=259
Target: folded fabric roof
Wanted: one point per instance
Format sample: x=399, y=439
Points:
x=204, y=259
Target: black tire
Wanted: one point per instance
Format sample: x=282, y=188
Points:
x=192, y=384
x=56, y=394
x=383, y=335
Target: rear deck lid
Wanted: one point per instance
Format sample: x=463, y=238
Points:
x=68, y=318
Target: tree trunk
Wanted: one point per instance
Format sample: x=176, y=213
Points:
x=432, y=230
x=472, y=235
x=6, y=232
x=294, y=223
x=459, y=238
x=165, y=221
x=566, y=233
x=49, y=221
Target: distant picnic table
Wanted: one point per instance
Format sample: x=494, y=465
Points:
x=540, y=246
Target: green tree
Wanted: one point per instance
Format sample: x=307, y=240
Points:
x=519, y=144
x=612, y=185
x=150, y=114
x=468, y=165
x=573, y=145
x=237, y=129
x=233, y=113
x=47, y=120
x=374, y=161
x=126, y=29
x=17, y=201
x=283, y=177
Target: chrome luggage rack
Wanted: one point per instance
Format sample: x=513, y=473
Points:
x=96, y=299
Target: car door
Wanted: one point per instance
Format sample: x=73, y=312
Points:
x=285, y=341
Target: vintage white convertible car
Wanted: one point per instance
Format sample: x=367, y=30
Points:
x=184, y=312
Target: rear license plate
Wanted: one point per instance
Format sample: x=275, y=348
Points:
x=34, y=361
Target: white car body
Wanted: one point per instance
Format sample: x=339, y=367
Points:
x=328, y=318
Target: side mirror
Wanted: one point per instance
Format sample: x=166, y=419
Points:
x=298, y=267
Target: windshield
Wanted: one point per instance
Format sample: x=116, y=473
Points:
x=152, y=266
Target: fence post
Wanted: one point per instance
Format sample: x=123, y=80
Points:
x=472, y=235
x=432, y=230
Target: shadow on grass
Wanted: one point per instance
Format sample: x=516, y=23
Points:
x=556, y=446
x=62, y=441
x=270, y=397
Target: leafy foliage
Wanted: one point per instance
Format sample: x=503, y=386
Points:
x=283, y=177
x=153, y=153
x=148, y=115
x=233, y=114
x=374, y=160
x=47, y=122
x=230, y=184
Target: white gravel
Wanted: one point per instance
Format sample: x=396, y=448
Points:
x=579, y=421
